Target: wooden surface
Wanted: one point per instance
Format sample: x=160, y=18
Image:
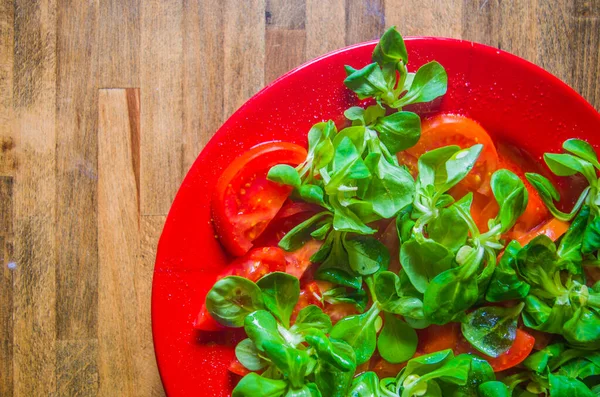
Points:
x=105, y=104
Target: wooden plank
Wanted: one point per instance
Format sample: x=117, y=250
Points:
x=77, y=374
x=325, y=26
x=586, y=38
x=162, y=104
x=34, y=294
x=7, y=41
x=285, y=14
x=151, y=229
x=285, y=49
x=127, y=250
x=555, y=47
x=76, y=154
x=285, y=40
x=6, y=286
x=119, y=43
x=118, y=240
x=202, y=80
x=365, y=20
x=426, y=17
x=500, y=24
x=244, y=57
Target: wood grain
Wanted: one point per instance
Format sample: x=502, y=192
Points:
x=325, y=26
x=35, y=208
x=119, y=43
x=7, y=168
x=76, y=171
x=430, y=17
x=202, y=75
x=76, y=230
x=118, y=239
x=161, y=103
x=244, y=46
x=104, y=106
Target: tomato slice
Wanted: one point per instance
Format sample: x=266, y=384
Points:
x=290, y=215
x=244, y=201
x=435, y=338
x=438, y=337
x=237, y=368
x=515, y=355
x=385, y=369
x=517, y=161
x=450, y=129
x=253, y=266
x=298, y=261
x=310, y=294
x=553, y=228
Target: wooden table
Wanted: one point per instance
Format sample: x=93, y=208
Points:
x=105, y=104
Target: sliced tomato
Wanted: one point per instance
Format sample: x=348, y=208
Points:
x=542, y=339
x=435, y=338
x=553, y=228
x=515, y=355
x=388, y=235
x=253, y=266
x=483, y=209
x=298, y=261
x=450, y=129
x=244, y=201
x=438, y=337
x=518, y=161
x=291, y=215
x=237, y=368
x=339, y=311
x=310, y=294
x=385, y=369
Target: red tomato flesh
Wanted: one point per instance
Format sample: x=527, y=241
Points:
x=448, y=336
x=237, y=368
x=253, y=266
x=450, y=129
x=244, y=201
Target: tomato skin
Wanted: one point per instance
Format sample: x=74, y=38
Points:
x=254, y=265
x=535, y=213
x=289, y=216
x=299, y=261
x=438, y=337
x=553, y=228
x=339, y=311
x=385, y=369
x=449, y=336
x=237, y=368
x=451, y=129
x=310, y=294
x=244, y=201
x=515, y=355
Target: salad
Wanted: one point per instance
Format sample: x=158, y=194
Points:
x=406, y=257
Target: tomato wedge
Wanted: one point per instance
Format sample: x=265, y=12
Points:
x=290, y=215
x=515, y=355
x=553, y=228
x=298, y=261
x=244, y=201
x=448, y=336
x=253, y=266
x=310, y=294
x=450, y=129
x=438, y=337
x=516, y=160
x=237, y=368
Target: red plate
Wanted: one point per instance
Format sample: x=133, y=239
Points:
x=512, y=98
